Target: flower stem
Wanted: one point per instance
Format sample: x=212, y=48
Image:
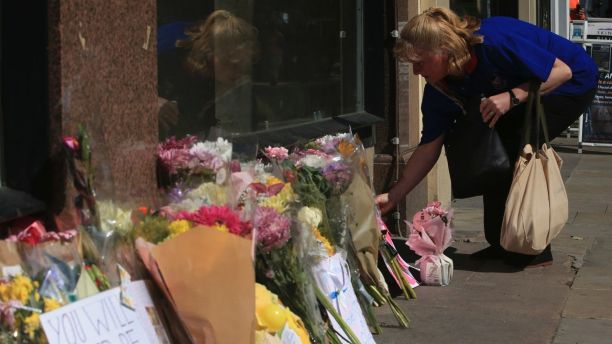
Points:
x=332, y=310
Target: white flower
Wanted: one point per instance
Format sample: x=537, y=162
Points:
x=310, y=216
x=209, y=193
x=221, y=148
x=313, y=161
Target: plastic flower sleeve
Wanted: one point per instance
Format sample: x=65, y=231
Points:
x=104, y=226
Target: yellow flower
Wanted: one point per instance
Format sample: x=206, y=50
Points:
x=326, y=244
x=19, y=288
x=286, y=194
x=274, y=202
x=178, y=227
x=4, y=292
x=51, y=304
x=220, y=227
x=32, y=324
x=266, y=301
x=279, y=201
x=310, y=216
x=271, y=180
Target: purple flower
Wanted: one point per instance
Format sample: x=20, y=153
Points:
x=271, y=227
x=339, y=176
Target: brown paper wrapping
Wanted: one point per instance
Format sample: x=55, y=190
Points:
x=9, y=256
x=364, y=228
x=210, y=279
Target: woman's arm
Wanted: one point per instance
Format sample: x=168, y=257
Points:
x=420, y=163
x=494, y=107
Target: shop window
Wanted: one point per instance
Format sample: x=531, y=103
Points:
x=24, y=143
x=485, y=8
x=228, y=68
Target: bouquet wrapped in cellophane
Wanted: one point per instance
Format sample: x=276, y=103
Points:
x=46, y=272
x=198, y=248
x=278, y=263
x=104, y=225
x=351, y=201
x=430, y=235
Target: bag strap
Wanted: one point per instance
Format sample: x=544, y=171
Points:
x=534, y=101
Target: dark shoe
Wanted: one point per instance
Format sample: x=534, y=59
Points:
x=526, y=261
x=489, y=253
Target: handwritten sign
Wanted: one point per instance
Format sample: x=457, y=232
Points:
x=102, y=319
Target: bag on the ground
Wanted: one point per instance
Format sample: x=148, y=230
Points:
x=537, y=205
x=474, y=153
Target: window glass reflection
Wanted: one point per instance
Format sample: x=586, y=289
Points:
x=226, y=68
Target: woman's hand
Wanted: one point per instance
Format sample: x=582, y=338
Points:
x=494, y=107
x=384, y=203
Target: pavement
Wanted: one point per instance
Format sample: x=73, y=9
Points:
x=490, y=302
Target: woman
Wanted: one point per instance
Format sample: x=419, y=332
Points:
x=462, y=58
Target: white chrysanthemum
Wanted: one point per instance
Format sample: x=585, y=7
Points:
x=313, y=161
x=310, y=216
x=221, y=148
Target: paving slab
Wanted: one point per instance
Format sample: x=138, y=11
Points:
x=593, y=278
x=583, y=331
x=589, y=304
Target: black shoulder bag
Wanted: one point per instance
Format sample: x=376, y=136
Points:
x=474, y=152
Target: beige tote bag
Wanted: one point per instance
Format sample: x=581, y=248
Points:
x=537, y=205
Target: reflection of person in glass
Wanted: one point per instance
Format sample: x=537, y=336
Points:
x=207, y=76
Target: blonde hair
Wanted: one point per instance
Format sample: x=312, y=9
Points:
x=222, y=34
x=439, y=30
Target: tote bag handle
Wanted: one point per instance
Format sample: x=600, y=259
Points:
x=534, y=101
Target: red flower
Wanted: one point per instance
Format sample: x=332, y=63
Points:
x=217, y=215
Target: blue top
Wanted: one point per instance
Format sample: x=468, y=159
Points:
x=512, y=53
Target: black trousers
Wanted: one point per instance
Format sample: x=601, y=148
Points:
x=561, y=112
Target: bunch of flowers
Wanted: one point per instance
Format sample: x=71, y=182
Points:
x=20, y=308
x=104, y=226
x=277, y=262
x=51, y=257
x=194, y=173
x=430, y=235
